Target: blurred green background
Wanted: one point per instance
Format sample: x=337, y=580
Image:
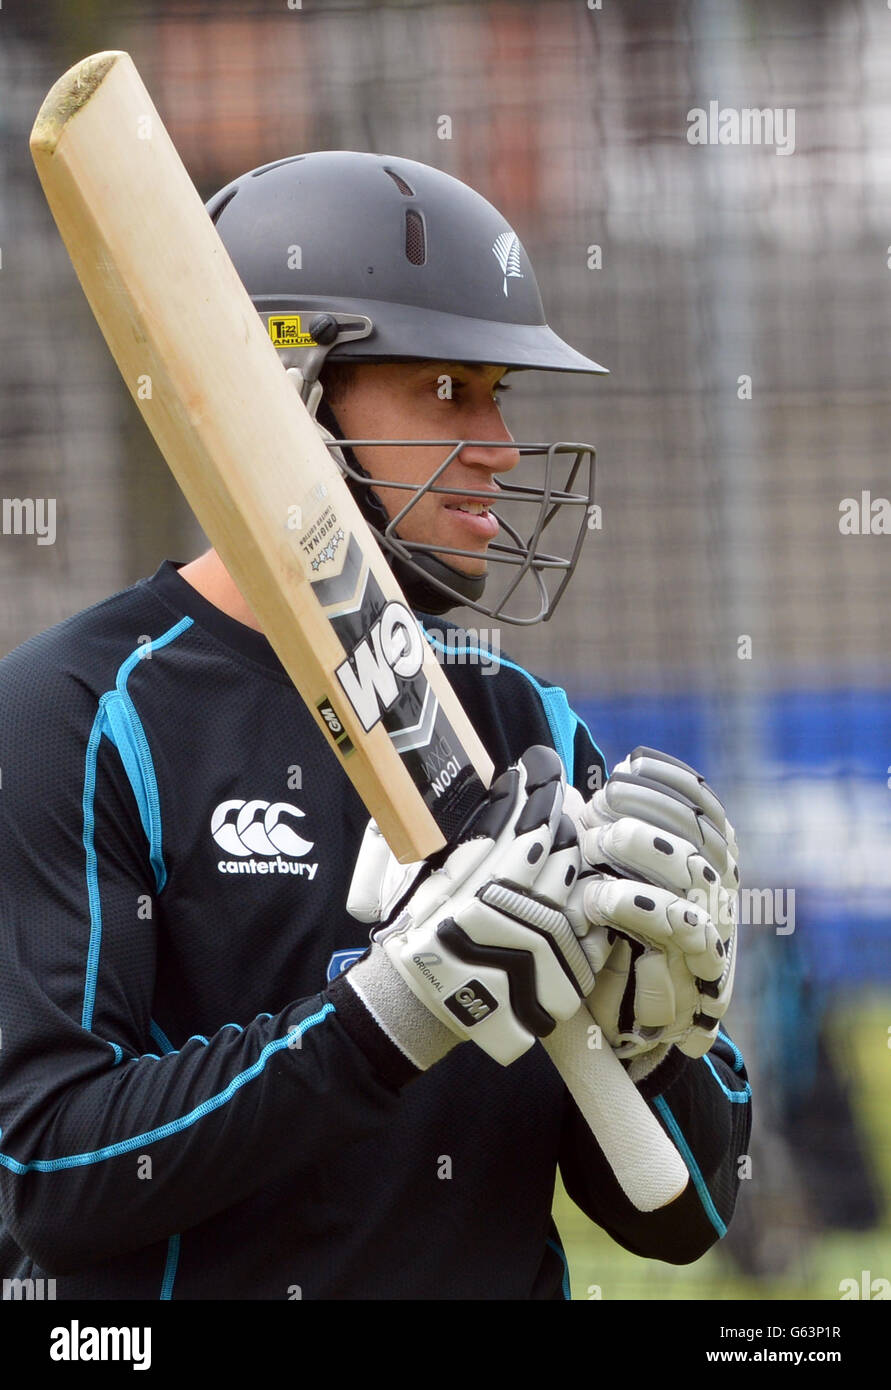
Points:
x=801, y=1258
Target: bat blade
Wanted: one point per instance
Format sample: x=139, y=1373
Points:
x=196, y=358
x=199, y=363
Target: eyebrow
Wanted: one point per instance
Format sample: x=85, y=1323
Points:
x=474, y=368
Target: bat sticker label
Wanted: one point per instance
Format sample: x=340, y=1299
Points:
x=334, y=726
x=408, y=709
x=446, y=777
x=320, y=540
x=394, y=647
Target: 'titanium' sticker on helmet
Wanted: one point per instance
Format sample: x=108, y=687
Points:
x=286, y=331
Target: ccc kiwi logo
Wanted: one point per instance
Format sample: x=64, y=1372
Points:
x=259, y=827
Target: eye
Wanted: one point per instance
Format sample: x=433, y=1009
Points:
x=447, y=387
x=459, y=386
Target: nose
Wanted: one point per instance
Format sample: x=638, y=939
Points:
x=487, y=424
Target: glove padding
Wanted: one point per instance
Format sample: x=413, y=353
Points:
x=484, y=942
x=379, y=880
x=660, y=895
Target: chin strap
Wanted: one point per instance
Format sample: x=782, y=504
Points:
x=412, y=575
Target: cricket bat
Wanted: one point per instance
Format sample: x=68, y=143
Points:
x=197, y=359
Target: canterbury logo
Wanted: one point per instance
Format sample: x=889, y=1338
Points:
x=394, y=647
x=506, y=250
x=243, y=828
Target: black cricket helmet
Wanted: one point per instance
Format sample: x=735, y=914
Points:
x=353, y=257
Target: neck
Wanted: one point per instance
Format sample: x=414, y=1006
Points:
x=210, y=577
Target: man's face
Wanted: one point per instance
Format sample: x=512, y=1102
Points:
x=432, y=400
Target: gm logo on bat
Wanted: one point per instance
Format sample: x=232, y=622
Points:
x=394, y=647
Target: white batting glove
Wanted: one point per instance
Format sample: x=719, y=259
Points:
x=379, y=880
x=484, y=942
x=660, y=897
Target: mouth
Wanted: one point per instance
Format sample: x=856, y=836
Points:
x=474, y=517
x=471, y=508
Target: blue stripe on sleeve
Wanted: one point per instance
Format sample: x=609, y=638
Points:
x=128, y=736
x=562, y=1253
x=161, y=1037
x=686, y=1153
x=116, y=717
x=738, y=1059
x=170, y=1265
x=93, y=900
x=55, y=1165
x=738, y=1097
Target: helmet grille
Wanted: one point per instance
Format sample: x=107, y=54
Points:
x=400, y=183
x=415, y=241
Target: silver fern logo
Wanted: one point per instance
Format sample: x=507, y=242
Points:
x=506, y=250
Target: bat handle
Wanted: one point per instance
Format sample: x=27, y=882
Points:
x=646, y=1163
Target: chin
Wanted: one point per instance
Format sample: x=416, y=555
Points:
x=465, y=565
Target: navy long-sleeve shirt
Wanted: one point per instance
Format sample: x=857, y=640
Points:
x=185, y=1109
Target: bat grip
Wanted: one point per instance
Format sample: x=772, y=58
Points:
x=645, y=1162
